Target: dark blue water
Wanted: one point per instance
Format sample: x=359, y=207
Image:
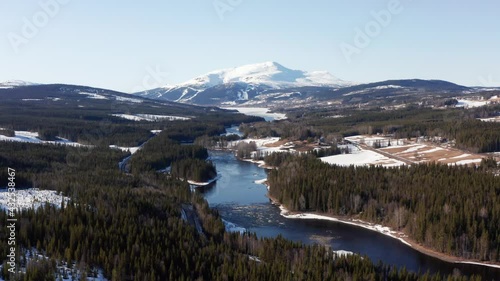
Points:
x=243, y=202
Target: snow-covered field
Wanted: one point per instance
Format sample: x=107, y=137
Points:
x=361, y=158
x=150, y=117
x=32, y=198
x=32, y=137
x=425, y=153
x=471, y=103
x=260, y=112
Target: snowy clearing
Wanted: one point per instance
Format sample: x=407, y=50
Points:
x=94, y=96
x=118, y=98
x=63, y=270
x=32, y=198
x=361, y=158
x=32, y=137
x=471, y=103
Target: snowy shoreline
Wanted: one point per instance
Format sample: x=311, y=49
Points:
x=196, y=183
x=384, y=230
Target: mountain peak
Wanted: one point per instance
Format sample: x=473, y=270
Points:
x=270, y=73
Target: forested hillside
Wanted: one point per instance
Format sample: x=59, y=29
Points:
x=131, y=227
x=454, y=210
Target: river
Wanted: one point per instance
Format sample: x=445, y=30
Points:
x=243, y=202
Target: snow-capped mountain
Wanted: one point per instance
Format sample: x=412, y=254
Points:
x=15, y=83
x=239, y=84
x=270, y=74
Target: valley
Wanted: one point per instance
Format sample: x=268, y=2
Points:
x=77, y=149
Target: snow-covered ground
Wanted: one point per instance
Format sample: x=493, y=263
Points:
x=150, y=117
x=15, y=83
x=63, y=272
x=471, y=103
x=118, y=98
x=231, y=227
x=343, y=253
x=197, y=183
x=492, y=119
x=32, y=137
x=132, y=150
x=32, y=198
x=361, y=158
x=93, y=96
x=260, y=112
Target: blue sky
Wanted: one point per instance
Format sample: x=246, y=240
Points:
x=117, y=44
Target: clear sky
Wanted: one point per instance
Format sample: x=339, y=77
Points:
x=117, y=44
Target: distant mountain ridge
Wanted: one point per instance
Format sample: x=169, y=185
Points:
x=272, y=84
x=243, y=83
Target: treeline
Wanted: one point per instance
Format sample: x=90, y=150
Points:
x=160, y=152
x=132, y=228
x=453, y=210
x=193, y=169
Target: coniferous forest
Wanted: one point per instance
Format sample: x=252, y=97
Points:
x=454, y=210
x=135, y=223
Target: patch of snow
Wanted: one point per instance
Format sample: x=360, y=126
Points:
x=432, y=150
x=413, y=148
x=461, y=156
x=471, y=103
x=196, y=183
x=119, y=98
x=231, y=227
x=32, y=137
x=343, y=253
x=94, y=96
x=361, y=158
x=32, y=198
x=15, y=83
x=262, y=181
x=132, y=150
x=150, y=117
x=467, y=162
